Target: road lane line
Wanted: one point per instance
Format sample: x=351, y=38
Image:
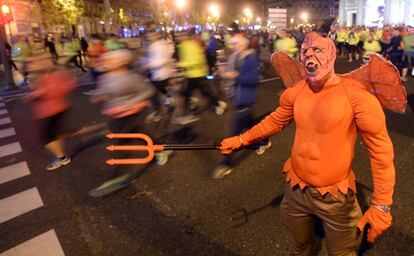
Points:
x=7, y=132
x=2, y=104
x=6, y=120
x=10, y=149
x=3, y=111
x=46, y=244
x=18, y=204
x=13, y=172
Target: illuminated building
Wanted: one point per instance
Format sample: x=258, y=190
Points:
x=376, y=12
x=317, y=9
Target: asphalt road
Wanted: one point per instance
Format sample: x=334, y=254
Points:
x=178, y=209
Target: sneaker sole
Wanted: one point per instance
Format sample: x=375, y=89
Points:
x=263, y=150
x=222, y=175
x=60, y=165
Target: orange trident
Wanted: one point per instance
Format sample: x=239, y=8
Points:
x=149, y=147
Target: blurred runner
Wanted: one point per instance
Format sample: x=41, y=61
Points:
x=113, y=44
x=353, y=41
x=20, y=53
x=84, y=47
x=126, y=98
x=244, y=69
x=341, y=37
x=211, y=51
x=94, y=52
x=286, y=43
x=396, y=52
x=408, y=43
x=371, y=46
x=71, y=50
x=50, y=44
x=51, y=104
x=160, y=68
x=193, y=60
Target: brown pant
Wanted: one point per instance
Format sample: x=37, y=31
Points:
x=339, y=217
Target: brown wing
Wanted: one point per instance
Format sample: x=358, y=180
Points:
x=290, y=70
x=382, y=79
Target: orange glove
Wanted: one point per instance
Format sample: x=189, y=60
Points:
x=228, y=145
x=379, y=221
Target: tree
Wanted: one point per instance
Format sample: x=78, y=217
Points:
x=127, y=12
x=61, y=12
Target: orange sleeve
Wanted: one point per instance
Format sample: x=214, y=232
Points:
x=370, y=120
x=276, y=121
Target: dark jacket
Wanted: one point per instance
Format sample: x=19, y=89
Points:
x=248, y=80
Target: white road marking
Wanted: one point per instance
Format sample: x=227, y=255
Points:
x=3, y=111
x=7, y=132
x=46, y=244
x=19, y=204
x=6, y=120
x=13, y=172
x=10, y=149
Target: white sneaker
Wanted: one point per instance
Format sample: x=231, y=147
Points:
x=194, y=102
x=153, y=117
x=56, y=163
x=161, y=158
x=221, y=171
x=263, y=148
x=186, y=120
x=221, y=108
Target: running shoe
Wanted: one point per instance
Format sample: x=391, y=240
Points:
x=263, y=148
x=161, y=158
x=111, y=186
x=221, y=108
x=56, y=163
x=221, y=171
x=186, y=120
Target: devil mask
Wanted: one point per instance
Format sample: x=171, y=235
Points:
x=318, y=56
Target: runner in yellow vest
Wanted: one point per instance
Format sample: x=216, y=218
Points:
x=341, y=36
x=286, y=44
x=371, y=45
x=353, y=40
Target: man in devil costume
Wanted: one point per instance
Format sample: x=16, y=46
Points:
x=329, y=111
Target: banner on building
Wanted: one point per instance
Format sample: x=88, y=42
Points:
x=278, y=17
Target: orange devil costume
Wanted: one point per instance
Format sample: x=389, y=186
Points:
x=329, y=110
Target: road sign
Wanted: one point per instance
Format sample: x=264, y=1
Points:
x=278, y=17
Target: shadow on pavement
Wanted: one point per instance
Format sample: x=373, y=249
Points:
x=402, y=123
x=141, y=221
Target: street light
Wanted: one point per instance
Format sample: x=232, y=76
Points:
x=5, y=9
x=181, y=4
x=304, y=16
x=259, y=20
x=248, y=12
x=214, y=10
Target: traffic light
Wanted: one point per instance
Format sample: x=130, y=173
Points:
x=6, y=14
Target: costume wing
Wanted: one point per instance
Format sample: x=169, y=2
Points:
x=382, y=79
x=291, y=71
